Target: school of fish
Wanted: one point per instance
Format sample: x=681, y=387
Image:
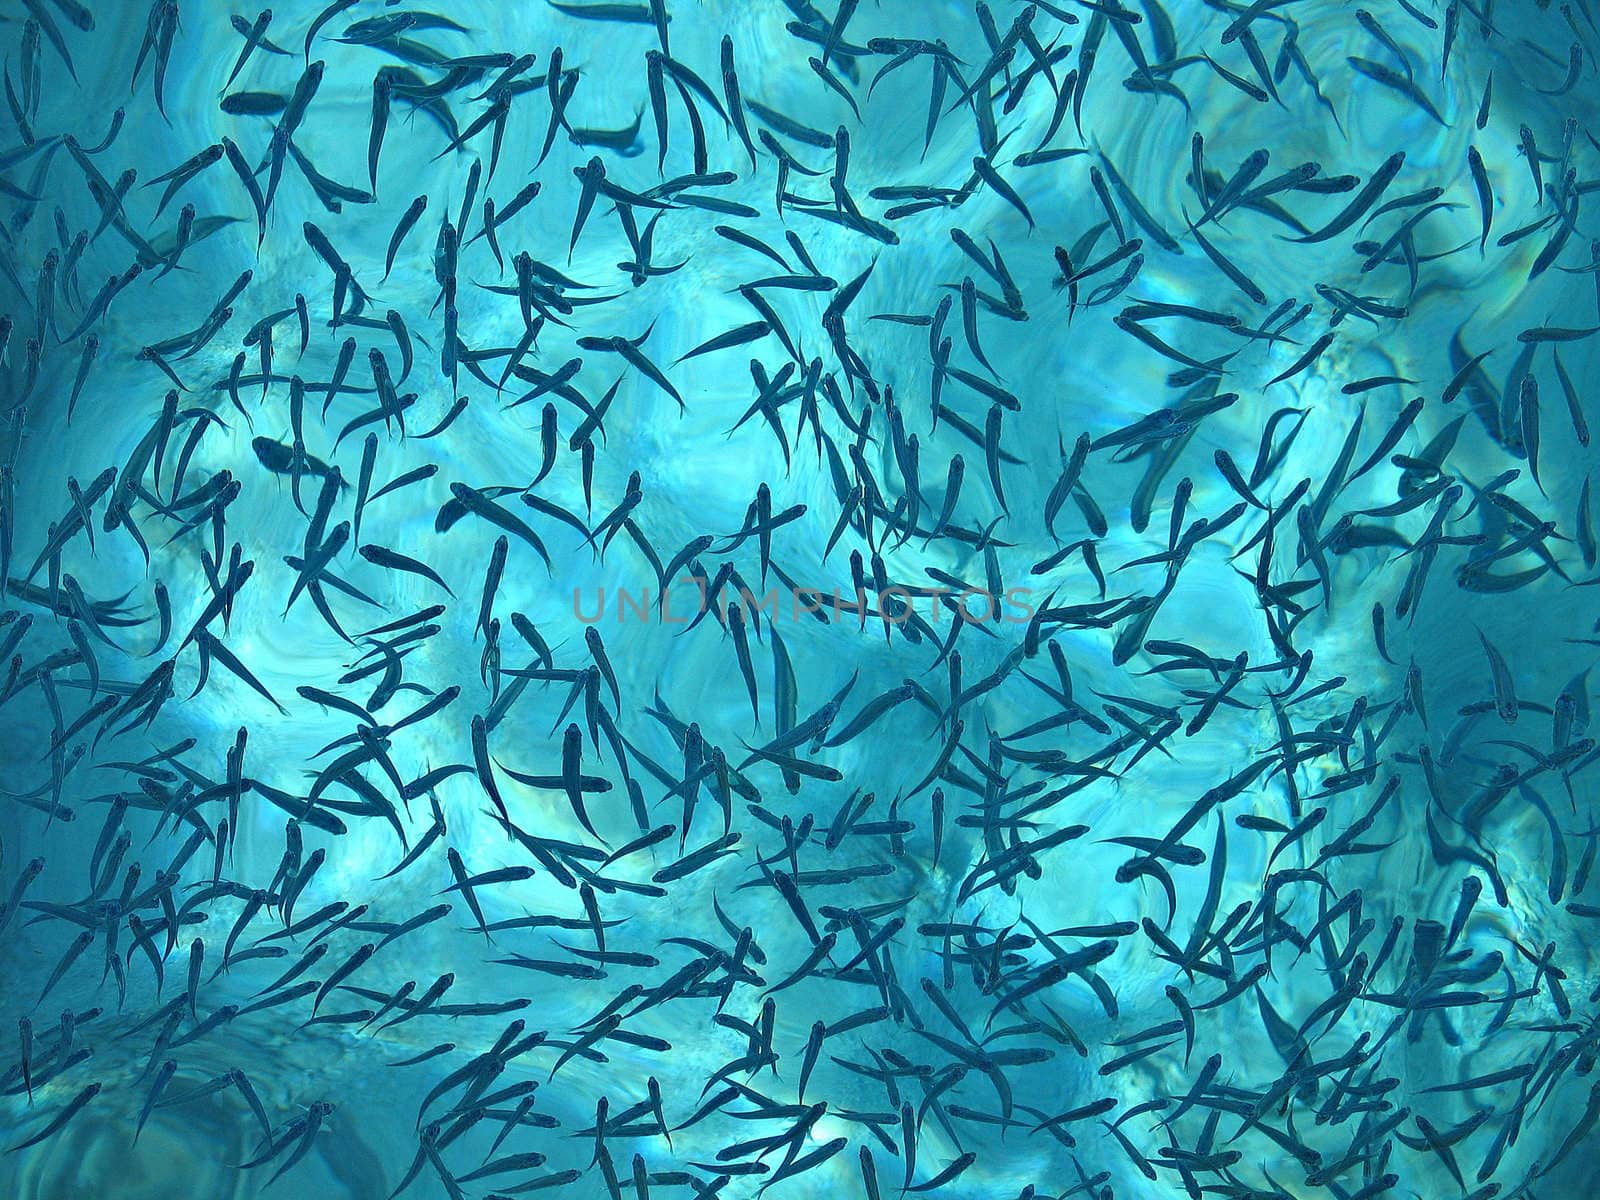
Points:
x=944, y=598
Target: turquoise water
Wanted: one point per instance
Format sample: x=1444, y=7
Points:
x=1272, y=847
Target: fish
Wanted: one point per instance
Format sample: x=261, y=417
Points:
x=254, y=34
x=59, y=1121
x=1480, y=181
x=1400, y=83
